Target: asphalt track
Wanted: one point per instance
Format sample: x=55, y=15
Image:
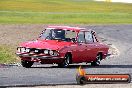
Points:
x=117, y=35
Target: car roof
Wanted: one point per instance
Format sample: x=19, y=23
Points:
x=77, y=29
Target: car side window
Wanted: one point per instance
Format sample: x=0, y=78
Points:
x=89, y=37
x=81, y=38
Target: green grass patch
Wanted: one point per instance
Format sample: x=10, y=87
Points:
x=64, y=18
x=6, y=54
x=63, y=6
x=64, y=12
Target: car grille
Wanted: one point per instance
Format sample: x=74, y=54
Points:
x=36, y=51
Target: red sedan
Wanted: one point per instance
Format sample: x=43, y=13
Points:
x=63, y=45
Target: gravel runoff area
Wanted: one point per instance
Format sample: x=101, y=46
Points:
x=118, y=36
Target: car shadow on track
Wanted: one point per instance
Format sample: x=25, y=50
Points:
x=89, y=66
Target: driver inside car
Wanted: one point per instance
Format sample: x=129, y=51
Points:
x=58, y=34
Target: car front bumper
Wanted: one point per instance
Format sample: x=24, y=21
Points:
x=35, y=56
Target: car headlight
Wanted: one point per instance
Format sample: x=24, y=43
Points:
x=46, y=51
x=51, y=52
x=27, y=50
x=18, y=49
x=56, y=53
x=23, y=50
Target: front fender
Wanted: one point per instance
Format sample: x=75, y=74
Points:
x=64, y=50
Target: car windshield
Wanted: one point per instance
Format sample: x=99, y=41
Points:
x=58, y=34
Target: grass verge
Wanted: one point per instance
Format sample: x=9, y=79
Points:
x=6, y=54
x=64, y=18
x=64, y=12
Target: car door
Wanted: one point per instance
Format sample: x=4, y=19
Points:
x=91, y=46
x=81, y=47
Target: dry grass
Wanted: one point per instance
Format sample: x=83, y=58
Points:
x=11, y=36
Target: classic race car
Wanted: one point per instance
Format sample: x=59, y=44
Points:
x=63, y=45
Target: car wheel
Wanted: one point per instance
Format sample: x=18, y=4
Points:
x=97, y=62
x=26, y=64
x=66, y=62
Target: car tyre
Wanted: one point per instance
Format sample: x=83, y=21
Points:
x=26, y=64
x=66, y=62
x=97, y=62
